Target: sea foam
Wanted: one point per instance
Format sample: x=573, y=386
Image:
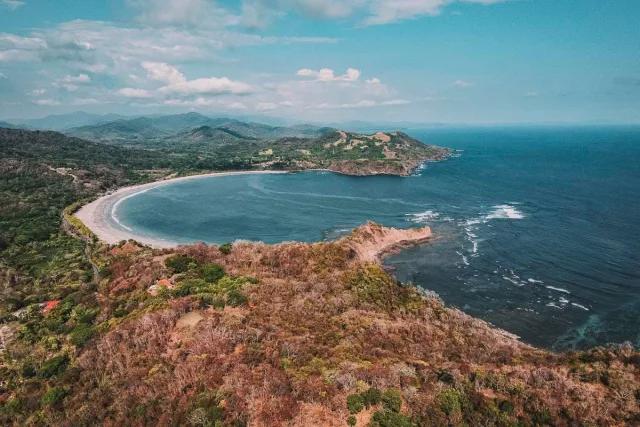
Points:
x=505, y=212
x=423, y=217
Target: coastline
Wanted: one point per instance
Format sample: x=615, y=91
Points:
x=98, y=215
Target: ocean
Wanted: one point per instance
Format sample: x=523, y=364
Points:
x=537, y=228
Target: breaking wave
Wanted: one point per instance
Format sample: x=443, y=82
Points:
x=505, y=212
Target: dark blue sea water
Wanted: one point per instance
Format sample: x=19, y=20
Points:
x=538, y=229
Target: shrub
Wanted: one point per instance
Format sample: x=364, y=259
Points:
x=355, y=403
x=28, y=370
x=84, y=315
x=54, y=366
x=12, y=406
x=191, y=287
x=236, y=298
x=392, y=400
x=180, y=263
x=81, y=334
x=225, y=248
x=53, y=396
x=351, y=421
x=211, y=300
x=450, y=401
x=506, y=406
x=212, y=273
x=371, y=397
x=207, y=411
x=445, y=377
x=390, y=419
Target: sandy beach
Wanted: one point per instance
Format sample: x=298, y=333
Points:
x=100, y=217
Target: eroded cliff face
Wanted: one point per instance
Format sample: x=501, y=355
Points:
x=371, y=242
x=304, y=334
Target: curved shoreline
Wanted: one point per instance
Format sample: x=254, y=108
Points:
x=99, y=217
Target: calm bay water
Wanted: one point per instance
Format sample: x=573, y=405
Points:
x=538, y=228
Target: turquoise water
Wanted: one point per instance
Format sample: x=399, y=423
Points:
x=538, y=228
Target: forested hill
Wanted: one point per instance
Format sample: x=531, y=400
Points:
x=42, y=173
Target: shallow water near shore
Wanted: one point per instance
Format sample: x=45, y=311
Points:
x=538, y=229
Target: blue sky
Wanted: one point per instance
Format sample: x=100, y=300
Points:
x=429, y=61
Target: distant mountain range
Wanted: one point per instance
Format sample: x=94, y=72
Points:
x=186, y=128
x=80, y=119
x=8, y=125
x=64, y=121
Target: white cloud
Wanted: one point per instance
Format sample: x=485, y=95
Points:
x=163, y=72
x=462, y=83
x=388, y=11
x=325, y=8
x=311, y=91
x=85, y=101
x=19, y=48
x=369, y=12
x=266, y=106
x=3, y=75
x=182, y=13
x=237, y=106
x=531, y=94
x=364, y=103
x=47, y=102
x=71, y=83
x=328, y=75
x=129, y=92
x=12, y=4
x=178, y=90
x=104, y=47
x=38, y=92
x=80, y=78
x=210, y=85
x=176, y=82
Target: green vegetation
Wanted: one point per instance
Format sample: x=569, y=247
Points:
x=392, y=400
x=207, y=411
x=374, y=286
x=451, y=401
x=212, y=272
x=180, y=263
x=53, y=396
x=54, y=366
x=207, y=283
x=388, y=416
x=226, y=248
x=366, y=399
x=390, y=419
x=355, y=403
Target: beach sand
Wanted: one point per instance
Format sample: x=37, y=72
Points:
x=99, y=214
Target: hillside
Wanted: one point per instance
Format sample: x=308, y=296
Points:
x=248, y=333
x=255, y=145
x=392, y=153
